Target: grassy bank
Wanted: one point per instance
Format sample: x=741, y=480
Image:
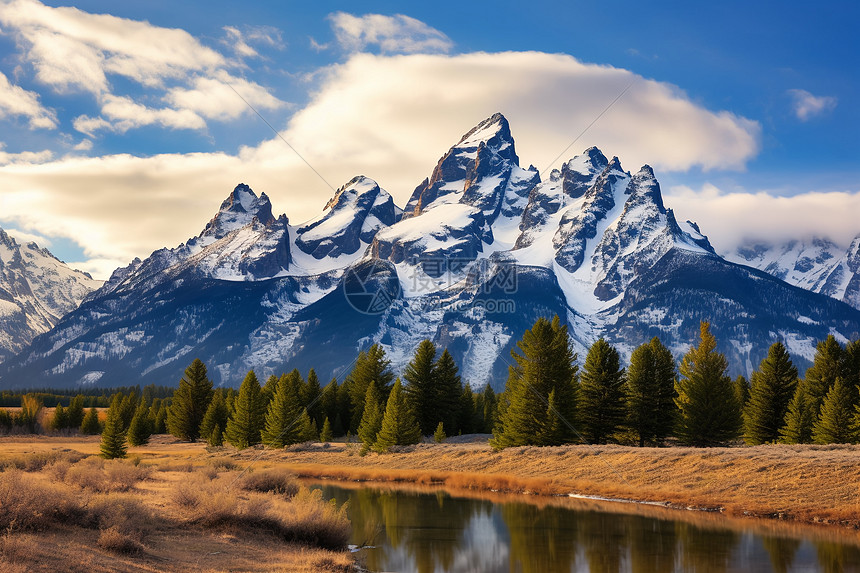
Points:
x=807, y=484
x=63, y=510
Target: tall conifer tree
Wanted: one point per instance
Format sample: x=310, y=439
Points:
x=601, y=393
x=709, y=412
x=139, y=430
x=448, y=396
x=773, y=386
x=650, y=392
x=113, y=444
x=799, y=418
x=216, y=416
x=283, y=417
x=827, y=366
x=371, y=366
x=399, y=426
x=190, y=402
x=420, y=388
x=371, y=418
x=246, y=422
x=835, y=421
x=544, y=363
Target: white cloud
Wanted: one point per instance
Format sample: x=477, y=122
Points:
x=391, y=34
x=25, y=157
x=213, y=98
x=72, y=50
x=380, y=116
x=730, y=218
x=16, y=101
x=84, y=145
x=807, y=106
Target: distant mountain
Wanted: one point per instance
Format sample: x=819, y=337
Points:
x=482, y=248
x=36, y=290
x=818, y=265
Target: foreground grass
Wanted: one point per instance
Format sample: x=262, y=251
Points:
x=64, y=511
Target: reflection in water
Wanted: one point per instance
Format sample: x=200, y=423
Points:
x=434, y=532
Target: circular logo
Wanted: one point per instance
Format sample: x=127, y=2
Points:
x=371, y=287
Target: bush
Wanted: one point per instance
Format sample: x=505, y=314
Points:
x=29, y=504
x=206, y=503
x=223, y=464
x=277, y=480
x=97, y=475
x=113, y=540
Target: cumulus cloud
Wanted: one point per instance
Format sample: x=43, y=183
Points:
x=24, y=157
x=807, y=106
x=390, y=34
x=72, y=50
x=215, y=98
x=23, y=237
x=732, y=218
x=15, y=101
x=379, y=116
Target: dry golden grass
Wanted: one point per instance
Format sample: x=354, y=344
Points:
x=93, y=515
x=275, y=480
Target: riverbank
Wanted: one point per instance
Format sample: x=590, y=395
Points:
x=804, y=484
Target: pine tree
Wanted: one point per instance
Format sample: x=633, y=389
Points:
x=399, y=425
x=773, y=386
x=76, y=412
x=190, y=402
x=328, y=402
x=307, y=428
x=650, y=392
x=601, y=393
x=709, y=413
x=216, y=437
x=160, y=424
x=60, y=421
x=91, y=425
x=246, y=422
x=269, y=389
x=834, y=424
x=545, y=365
x=800, y=417
x=326, y=435
x=284, y=414
x=742, y=391
x=371, y=366
x=449, y=395
x=311, y=397
x=439, y=435
x=216, y=415
x=371, y=418
x=139, y=430
x=127, y=409
x=465, y=411
x=488, y=411
x=827, y=366
x=420, y=388
x=113, y=436
x=342, y=423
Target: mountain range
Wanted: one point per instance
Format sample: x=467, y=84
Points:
x=481, y=249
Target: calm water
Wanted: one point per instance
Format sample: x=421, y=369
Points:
x=429, y=532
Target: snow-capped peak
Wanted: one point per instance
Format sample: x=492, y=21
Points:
x=495, y=133
x=239, y=208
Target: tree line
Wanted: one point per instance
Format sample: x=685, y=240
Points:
x=548, y=400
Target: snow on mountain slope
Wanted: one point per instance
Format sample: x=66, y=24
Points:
x=36, y=290
x=818, y=265
x=481, y=251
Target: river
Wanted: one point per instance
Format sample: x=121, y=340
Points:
x=427, y=531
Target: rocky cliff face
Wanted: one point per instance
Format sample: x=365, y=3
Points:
x=36, y=290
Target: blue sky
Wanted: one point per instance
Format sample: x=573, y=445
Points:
x=122, y=133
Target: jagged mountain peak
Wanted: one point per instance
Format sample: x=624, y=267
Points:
x=349, y=220
x=493, y=132
x=240, y=207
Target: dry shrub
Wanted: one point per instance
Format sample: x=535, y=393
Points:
x=58, y=470
x=223, y=463
x=30, y=504
x=117, y=542
x=179, y=467
x=306, y=518
x=207, y=503
x=122, y=513
x=35, y=462
x=209, y=473
x=18, y=549
x=98, y=475
x=277, y=480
